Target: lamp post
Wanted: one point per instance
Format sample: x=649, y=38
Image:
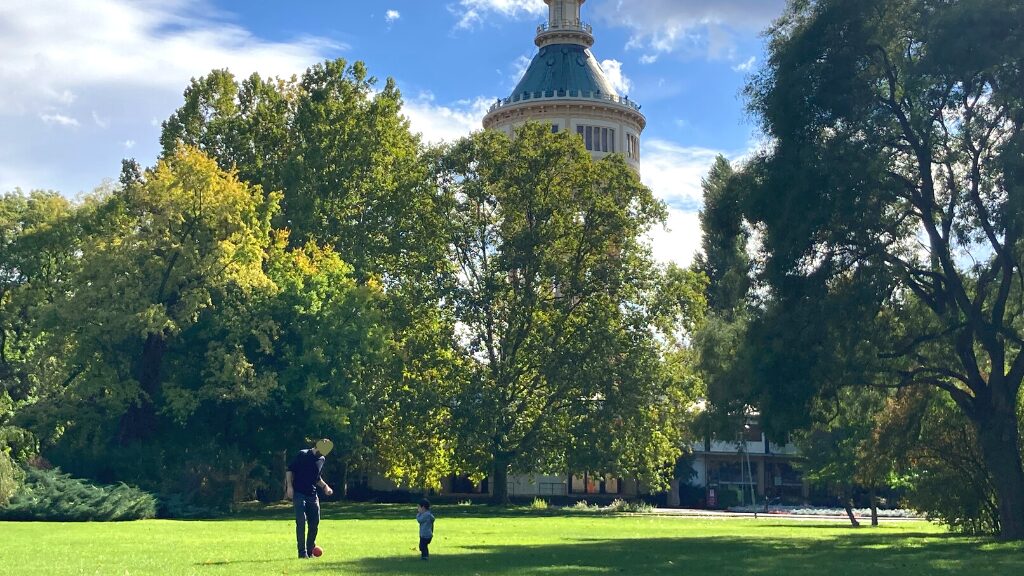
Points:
x=750, y=474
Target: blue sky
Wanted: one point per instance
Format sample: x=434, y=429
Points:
x=84, y=83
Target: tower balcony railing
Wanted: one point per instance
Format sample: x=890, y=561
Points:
x=564, y=95
x=567, y=25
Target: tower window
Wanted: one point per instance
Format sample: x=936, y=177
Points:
x=632, y=147
x=597, y=138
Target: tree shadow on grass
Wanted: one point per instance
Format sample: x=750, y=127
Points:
x=864, y=529
x=368, y=511
x=903, y=554
x=233, y=562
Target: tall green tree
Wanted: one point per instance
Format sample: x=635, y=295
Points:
x=186, y=306
x=338, y=148
x=840, y=448
x=289, y=362
x=39, y=235
x=894, y=186
x=152, y=258
x=355, y=178
x=38, y=242
x=11, y=475
x=556, y=299
x=723, y=259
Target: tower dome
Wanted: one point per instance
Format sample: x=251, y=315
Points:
x=565, y=87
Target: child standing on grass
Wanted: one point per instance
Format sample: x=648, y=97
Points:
x=426, y=520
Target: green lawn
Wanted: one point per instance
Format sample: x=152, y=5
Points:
x=381, y=539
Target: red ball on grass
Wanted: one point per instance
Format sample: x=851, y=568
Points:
x=318, y=551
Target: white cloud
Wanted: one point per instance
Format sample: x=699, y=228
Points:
x=58, y=119
x=53, y=48
x=473, y=12
x=746, y=66
x=519, y=68
x=120, y=63
x=663, y=26
x=613, y=72
x=674, y=174
x=439, y=123
x=679, y=240
x=100, y=122
x=392, y=15
x=129, y=144
x=64, y=98
x=648, y=58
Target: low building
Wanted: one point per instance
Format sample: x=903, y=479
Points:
x=749, y=469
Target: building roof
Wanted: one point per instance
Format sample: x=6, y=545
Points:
x=569, y=67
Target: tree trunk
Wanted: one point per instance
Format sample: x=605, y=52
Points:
x=341, y=485
x=499, y=482
x=874, y=507
x=674, y=493
x=848, y=506
x=139, y=421
x=999, y=436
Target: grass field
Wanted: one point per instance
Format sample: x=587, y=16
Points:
x=470, y=540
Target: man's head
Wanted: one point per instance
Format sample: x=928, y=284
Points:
x=425, y=504
x=324, y=446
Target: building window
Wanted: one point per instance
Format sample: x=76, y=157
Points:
x=632, y=147
x=594, y=484
x=551, y=488
x=554, y=128
x=734, y=472
x=597, y=138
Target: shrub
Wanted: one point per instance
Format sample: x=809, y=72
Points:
x=50, y=495
x=930, y=439
x=539, y=504
x=727, y=497
x=691, y=496
x=179, y=507
x=640, y=506
x=582, y=506
x=20, y=444
x=620, y=505
x=10, y=477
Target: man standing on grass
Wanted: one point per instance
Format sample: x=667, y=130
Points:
x=301, y=483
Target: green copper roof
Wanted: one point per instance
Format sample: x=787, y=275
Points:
x=564, y=67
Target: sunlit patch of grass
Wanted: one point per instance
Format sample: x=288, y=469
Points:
x=381, y=539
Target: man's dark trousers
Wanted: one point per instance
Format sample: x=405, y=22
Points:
x=307, y=509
